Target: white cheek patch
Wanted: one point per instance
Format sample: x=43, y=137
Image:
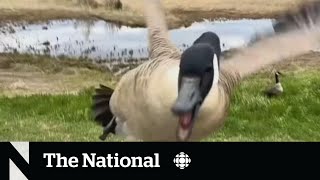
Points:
x=216, y=69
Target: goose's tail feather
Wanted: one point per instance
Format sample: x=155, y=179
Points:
x=101, y=111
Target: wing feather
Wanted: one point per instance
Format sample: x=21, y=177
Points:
x=159, y=43
x=301, y=35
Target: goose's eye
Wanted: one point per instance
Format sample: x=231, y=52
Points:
x=208, y=70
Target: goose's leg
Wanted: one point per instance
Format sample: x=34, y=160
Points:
x=110, y=128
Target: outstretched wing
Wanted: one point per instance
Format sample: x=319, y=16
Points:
x=300, y=35
x=159, y=41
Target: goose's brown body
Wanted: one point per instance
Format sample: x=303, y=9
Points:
x=144, y=96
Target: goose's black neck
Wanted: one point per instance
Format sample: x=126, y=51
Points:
x=277, y=77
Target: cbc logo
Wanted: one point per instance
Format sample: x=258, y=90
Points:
x=182, y=160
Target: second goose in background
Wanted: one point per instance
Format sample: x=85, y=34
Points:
x=277, y=89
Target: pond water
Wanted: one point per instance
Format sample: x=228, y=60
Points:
x=102, y=40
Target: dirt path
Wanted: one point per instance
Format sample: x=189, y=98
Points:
x=45, y=75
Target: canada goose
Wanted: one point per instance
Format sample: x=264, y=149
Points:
x=277, y=89
x=185, y=96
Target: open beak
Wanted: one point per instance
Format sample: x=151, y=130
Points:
x=187, y=106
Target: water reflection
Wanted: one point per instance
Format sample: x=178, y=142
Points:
x=104, y=41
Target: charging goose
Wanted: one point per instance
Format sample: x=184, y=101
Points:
x=277, y=89
x=185, y=96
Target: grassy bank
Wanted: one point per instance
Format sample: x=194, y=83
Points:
x=179, y=12
x=292, y=117
x=52, y=116
x=44, y=98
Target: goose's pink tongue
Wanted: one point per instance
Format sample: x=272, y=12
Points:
x=184, y=128
x=185, y=120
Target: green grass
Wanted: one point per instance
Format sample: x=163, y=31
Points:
x=293, y=117
x=47, y=118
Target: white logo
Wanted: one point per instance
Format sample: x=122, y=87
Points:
x=23, y=149
x=182, y=160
